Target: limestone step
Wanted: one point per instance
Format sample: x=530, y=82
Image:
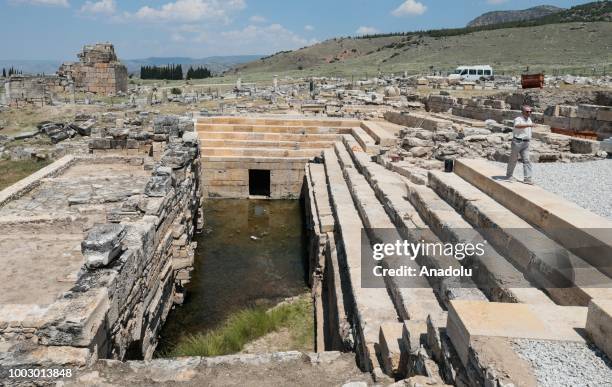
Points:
x=278, y=121
x=460, y=120
x=418, y=120
x=599, y=325
x=586, y=234
x=470, y=320
x=381, y=136
x=318, y=179
x=218, y=162
x=390, y=347
x=413, y=296
x=369, y=307
x=390, y=190
x=495, y=276
x=271, y=129
x=366, y=142
x=568, y=279
x=265, y=144
x=257, y=136
x=259, y=152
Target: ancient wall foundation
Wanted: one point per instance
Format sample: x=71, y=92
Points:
x=107, y=241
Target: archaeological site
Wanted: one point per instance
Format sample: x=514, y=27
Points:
x=406, y=209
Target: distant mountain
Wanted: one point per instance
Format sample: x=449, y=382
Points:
x=498, y=17
x=217, y=64
x=31, y=66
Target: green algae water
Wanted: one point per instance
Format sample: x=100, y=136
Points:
x=250, y=254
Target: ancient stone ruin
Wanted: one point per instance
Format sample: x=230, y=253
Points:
x=98, y=70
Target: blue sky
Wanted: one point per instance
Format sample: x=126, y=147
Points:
x=57, y=29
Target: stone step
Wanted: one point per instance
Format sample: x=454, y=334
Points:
x=366, y=142
x=369, y=307
x=265, y=144
x=495, y=276
x=271, y=129
x=567, y=279
x=381, y=136
x=413, y=297
x=390, y=190
x=586, y=234
x=391, y=347
x=278, y=121
x=418, y=120
x=259, y=152
x=599, y=325
x=318, y=180
x=470, y=320
x=257, y=136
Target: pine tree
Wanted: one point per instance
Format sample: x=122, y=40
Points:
x=3, y=72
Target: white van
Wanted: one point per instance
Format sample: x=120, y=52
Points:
x=474, y=73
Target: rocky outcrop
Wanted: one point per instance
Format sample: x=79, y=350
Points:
x=498, y=17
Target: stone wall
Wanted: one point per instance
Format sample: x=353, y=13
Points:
x=228, y=177
x=98, y=71
x=591, y=118
x=135, y=227
x=23, y=89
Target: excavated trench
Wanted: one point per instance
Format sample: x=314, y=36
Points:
x=251, y=253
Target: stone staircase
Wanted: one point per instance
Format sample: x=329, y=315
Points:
x=542, y=266
x=231, y=146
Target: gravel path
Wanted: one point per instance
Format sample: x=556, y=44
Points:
x=588, y=184
x=557, y=363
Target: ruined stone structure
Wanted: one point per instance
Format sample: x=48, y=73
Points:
x=98, y=70
x=24, y=89
x=106, y=243
x=581, y=118
x=133, y=214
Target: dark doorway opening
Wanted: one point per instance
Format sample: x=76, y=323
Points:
x=259, y=182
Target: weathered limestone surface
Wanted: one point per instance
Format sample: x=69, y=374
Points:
x=282, y=369
x=98, y=70
x=585, y=234
x=568, y=279
x=231, y=146
x=101, y=258
x=599, y=324
x=39, y=90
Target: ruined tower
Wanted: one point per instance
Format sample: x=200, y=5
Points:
x=98, y=70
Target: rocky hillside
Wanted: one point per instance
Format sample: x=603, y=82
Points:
x=570, y=40
x=498, y=17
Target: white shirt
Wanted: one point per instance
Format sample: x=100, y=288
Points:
x=524, y=133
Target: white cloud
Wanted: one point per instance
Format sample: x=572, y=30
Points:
x=495, y=2
x=202, y=37
x=270, y=38
x=177, y=37
x=52, y=3
x=409, y=7
x=191, y=10
x=257, y=19
x=308, y=27
x=363, y=30
x=102, y=7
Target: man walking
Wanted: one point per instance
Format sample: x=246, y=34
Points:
x=521, y=135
